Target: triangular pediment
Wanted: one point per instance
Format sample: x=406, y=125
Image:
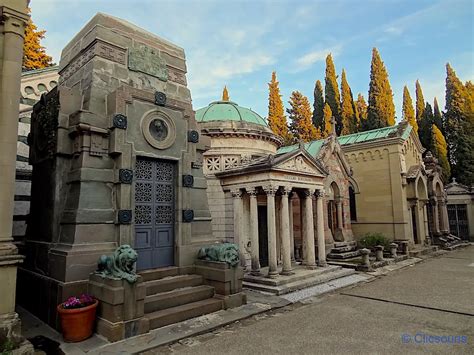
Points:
x=300, y=163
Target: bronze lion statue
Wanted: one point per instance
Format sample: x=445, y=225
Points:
x=120, y=265
x=225, y=252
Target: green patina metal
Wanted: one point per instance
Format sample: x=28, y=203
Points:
x=228, y=111
x=312, y=147
x=120, y=265
x=225, y=252
x=148, y=61
x=400, y=130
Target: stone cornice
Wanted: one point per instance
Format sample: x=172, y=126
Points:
x=243, y=133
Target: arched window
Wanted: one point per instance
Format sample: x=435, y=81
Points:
x=352, y=204
x=42, y=88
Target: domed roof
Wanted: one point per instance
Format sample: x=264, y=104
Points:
x=228, y=111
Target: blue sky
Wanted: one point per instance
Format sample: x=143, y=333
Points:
x=239, y=43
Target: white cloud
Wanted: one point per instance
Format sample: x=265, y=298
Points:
x=319, y=55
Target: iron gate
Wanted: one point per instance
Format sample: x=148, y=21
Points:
x=458, y=224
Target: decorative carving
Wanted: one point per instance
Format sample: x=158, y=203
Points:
x=125, y=176
x=160, y=98
x=253, y=192
x=125, y=216
x=188, y=181
x=307, y=193
x=231, y=162
x=120, y=265
x=163, y=215
x=143, y=214
x=144, y=169
x=147, y=60
x=196, y=165
x=298, y=164
x=164, y=193
x=188, y=216
x=225, y=252
x=319, y=193
x=193, y=136
x=119, y=121
x=143, y=191
x=159, y=129
x=236, y=193
x=164, y=171
x=270, y=190
x=213, y=164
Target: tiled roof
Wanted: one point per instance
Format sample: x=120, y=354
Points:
x=401, y=130
x=312, y=147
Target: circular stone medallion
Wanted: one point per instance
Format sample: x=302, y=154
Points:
x=159, y=129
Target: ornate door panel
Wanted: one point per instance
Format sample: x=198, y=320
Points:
x=154, y=213
x=458, y=223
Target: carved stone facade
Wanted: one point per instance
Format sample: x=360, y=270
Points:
x=112, y=164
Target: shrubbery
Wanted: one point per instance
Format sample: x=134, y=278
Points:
x=370, y=240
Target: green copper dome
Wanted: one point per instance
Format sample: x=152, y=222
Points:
x=228, y=111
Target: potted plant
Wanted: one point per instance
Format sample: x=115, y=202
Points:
x=77, y=316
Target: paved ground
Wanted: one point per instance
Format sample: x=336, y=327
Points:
x=393, y=314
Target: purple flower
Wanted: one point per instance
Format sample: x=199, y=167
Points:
x=78, y=302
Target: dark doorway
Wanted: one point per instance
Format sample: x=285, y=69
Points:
x=154, y=213
x=262, y=236
x=414, y=225
x=458, y=223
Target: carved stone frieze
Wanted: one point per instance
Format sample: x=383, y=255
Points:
x=147, y=60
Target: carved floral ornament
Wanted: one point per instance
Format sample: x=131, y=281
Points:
x=158, y=129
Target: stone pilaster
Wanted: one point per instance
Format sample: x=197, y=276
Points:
x=444, y=216
x=13, y=18
x=285, y=232
x=320, y=228
x=434, y=205
x=339, y=214
x=238, y=214
x=292, y=234
x=271, y=227
x=255, y=257
x=308, y=227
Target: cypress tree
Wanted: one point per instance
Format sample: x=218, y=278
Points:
x=440, y=150
x=34, y=54
x=420, y=101
x=362, y=112
x=331, y=90
x=381, y=110
x=327, y=121
x=300, y=115
x=348, y=115
x=318, y=105
x=425, y=128
x=276, y=111
x=407, y=109
x=225, y=94
x=454, y=116
x=438, y=117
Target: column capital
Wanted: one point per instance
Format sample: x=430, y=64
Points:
x=319, y=193
x=236, y=193
x=252, y=191
x=308, y=193
x=270, y=190
x=285, y=190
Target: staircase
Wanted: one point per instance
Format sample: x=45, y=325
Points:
x=344, y=250
x=172, y=297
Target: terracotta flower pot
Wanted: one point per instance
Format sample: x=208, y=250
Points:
x=77, y=324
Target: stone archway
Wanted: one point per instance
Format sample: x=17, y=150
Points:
x=334, y=212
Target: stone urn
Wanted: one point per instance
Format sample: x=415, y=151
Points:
x=77, y=324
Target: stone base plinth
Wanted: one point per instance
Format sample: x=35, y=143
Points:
x=121, y=307
x=226, y=280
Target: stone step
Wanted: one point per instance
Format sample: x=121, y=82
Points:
x=344, y=244
x=282, y=280
x=300, y=284
x=346, y=255
x=155, y=274
x=180, y=313
x=170, y=283
x=344, y=249
x=177, y=297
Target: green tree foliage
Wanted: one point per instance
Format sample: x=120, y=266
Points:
x=301, y=125
x=381, y=110
x=276, y=112
x=420, y=101
x=327, y=121
x=424, y=128
x=34, y=54
x=348, y=113
x=438, y=117
x=318, y=106
x=440, y=150
x=407, y=109
x=331, y=90
x=456, y=120
x=361, y=112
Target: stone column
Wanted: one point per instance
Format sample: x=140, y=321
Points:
x=434, y=202
x=285, y=233
x=292, y=234
x=255, y=257
x=271, y=227
x=308, y=227
x=320, y=228
x=444, y=216
x=13, y=15
x=339, y=214
x=238, y=213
